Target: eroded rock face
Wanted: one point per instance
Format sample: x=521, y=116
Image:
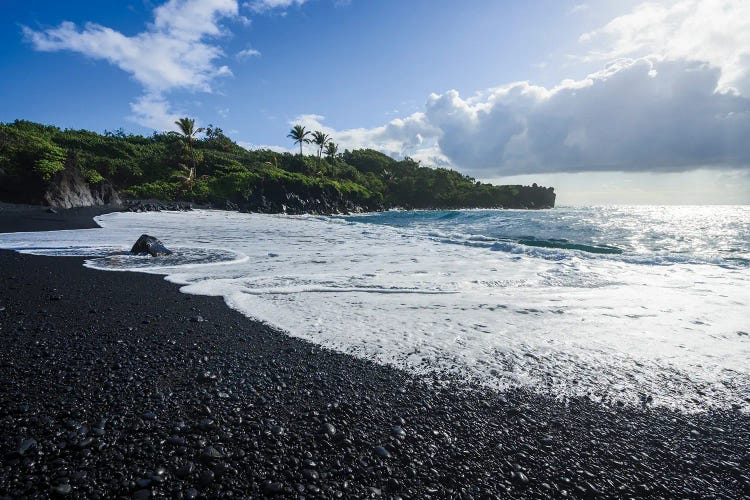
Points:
x=276, y=198
x=156, y=206
x=69, y=189
x=150, y=245
x=105, y=192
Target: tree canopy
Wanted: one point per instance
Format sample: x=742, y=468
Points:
x=155, y=167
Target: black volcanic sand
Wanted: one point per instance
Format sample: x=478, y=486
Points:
x=22, y=218
x=115, y=384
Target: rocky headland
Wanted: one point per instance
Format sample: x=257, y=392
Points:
x=45, y=165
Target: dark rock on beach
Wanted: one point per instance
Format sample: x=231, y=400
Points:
x=150, y=245
x=136, y=401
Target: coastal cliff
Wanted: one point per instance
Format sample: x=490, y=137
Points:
x=66, y=189
x=46, y=165
x=69, y=189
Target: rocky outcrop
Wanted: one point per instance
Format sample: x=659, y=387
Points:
x=277, y=198
x=149, y=245
x=156, y=206
x=535, y=197
x=68, y=189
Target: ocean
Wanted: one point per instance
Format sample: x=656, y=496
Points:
x=621, y=304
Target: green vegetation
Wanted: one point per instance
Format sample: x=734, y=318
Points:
x=166, y=166
x=331, y=150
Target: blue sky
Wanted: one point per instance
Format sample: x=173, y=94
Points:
x=610, y=101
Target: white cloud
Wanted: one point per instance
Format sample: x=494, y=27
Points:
x=398, y=138
x=713, y=31
x=267, y=5
x=174, y=52
x=153, y=111
x=192, y=20
x=247, y=53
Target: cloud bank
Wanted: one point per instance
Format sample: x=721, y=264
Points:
x=673, y=96
x=649, y=114
x=643, y=114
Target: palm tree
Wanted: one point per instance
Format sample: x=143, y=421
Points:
x=188, y=131
x=299, y=135
x=187, y=128
x=187, y=177
x=331, y=149
x=320, y=139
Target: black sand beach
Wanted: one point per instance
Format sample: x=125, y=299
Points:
x=23, y=218
x=115, y=384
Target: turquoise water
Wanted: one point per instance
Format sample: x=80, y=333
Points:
x=647, y=234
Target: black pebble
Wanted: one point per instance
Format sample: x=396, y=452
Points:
x=205, y=478
x=61, y=490
x=382, y=452
x=184, y=470
x=310, y=474
x=273, y=489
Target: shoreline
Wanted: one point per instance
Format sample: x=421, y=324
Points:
x=31, y=218
x=115, y=383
